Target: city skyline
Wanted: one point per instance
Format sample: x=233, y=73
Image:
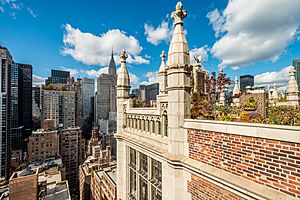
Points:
x=53, y=37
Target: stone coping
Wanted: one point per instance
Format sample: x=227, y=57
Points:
x=266, y=131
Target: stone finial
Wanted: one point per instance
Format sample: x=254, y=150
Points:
x=123, y=56
x=236, y=89
x=178, y=15
x=292, y=71
x=221, y=70
x=198, y=60
x=163, y=56
x=123, y=75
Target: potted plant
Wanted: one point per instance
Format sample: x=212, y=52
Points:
x=250, y=104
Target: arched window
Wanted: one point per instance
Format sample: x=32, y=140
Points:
x=165, y=124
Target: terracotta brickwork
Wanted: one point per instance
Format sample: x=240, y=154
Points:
x=202, y=189
x=275, y=164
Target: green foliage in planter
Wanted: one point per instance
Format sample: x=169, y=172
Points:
x=250, y=103
x=226, y=118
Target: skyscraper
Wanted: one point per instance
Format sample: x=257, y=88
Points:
x=106, y=92
x=17, y=127
x=6, y=63
x=246, y=80
x=88, y=91
x=25, y=99
x=58, y=76
x=296, y=64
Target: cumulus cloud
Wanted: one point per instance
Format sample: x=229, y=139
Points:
x=254, y=30
x=37, y=80
x=158, y=34
x=72, y=71
x=281, y=78
x=202, y=51
x=92, y=49
x=96, y=73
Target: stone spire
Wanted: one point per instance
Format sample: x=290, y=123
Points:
x=178, y=50
x=123, y=76
x=236, y=89
x=112, y=70
x=275, y=92
x=162, y=74
x=292, y=91
x=179, y=84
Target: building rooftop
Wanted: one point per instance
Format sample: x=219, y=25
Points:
x=58, y=191
x=50, y=162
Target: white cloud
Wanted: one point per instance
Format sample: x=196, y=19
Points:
x=281, y=78
x=133, y=79
x=254, y=30
x=37, y=80
x=235, y=68
x=14, y=6
x=217, y=21
x=95, y=50
x=72, y=71
x=152, y=78
x=158, y=34
x=202, y=51
x=31, y=12
x=96, y=73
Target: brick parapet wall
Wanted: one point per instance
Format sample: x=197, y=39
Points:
x=203, y=189
x=273, y=163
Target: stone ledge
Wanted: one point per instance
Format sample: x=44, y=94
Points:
x=274, y=132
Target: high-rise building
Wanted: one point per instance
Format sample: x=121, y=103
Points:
x=6, y=63
x=36, y=95
x=71, y=150
x=58, y=76
x=106, y=92
x=42, y=145
x=296, y=64
x=17, y=126
x=78, y=103
x=58, y=106
x=88, y=91
x=25, y=99
x=151, y=91
x=246, y=80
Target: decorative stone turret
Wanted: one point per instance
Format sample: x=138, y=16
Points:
x=196, y=70
x=222, y=100
x=275, y=93
x=179, y=86
x=292, y=91
x=236, y=92
x=236, y=89
x=123, y=89
x=162, y=74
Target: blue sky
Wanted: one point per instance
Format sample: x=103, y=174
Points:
x=243, y=36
